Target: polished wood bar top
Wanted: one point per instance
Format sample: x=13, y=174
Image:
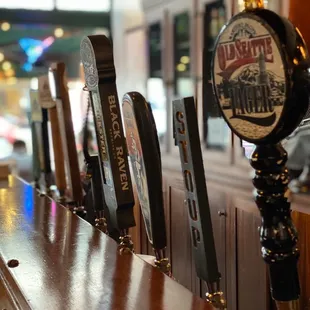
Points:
x=62, y=262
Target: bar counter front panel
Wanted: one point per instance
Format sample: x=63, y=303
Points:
x=65, y=263
x=235, y=221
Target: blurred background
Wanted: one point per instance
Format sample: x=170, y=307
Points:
x=162, y=49
x=34, y=34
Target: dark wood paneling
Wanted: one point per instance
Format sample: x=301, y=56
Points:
x=251, y=270
x=302, y=222
x=180, y=239
x=244, y=273
x=218, y=206
x=196, y=283
x=166, y=199
x=231, y=257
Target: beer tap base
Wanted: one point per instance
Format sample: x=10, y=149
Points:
x=37, y=184
x=215, y=296
x=101, y=224
x=49, y=192
x=162, y=262
x=61, y=196
x=164, y=266
x=76, y=208
x=42, y=193
x=284, y=279
x=288, y=305
x=125, y=244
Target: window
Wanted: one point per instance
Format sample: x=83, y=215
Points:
x=155, y=68
x=183, y=82
x=155, y=84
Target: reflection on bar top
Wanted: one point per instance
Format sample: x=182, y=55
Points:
x=66, y=263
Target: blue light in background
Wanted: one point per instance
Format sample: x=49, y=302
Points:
x=27, y=67
x=34, y=49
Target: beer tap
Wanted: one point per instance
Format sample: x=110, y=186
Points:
x=100, y=76
x=42, y=171
x=144, y=154
x=261, y=84
x=47, y=102
x=187, y=138
x=35, y=116
x=95, y=201
x=59, y=92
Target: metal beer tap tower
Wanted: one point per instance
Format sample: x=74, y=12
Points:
x=261, y=83
x=100, y=76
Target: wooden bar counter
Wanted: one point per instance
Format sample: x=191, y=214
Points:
x=62, y=262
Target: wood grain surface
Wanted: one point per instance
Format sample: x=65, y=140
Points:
x=65, y=263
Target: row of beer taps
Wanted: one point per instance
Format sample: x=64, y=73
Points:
x=107, y=190
x=133, y=151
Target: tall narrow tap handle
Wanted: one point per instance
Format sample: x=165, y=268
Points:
x=46, y=145
x=36, y=116
x=46, y=101
x=100, y=76
x=187, y=136
x=60, y=94
x=60, y=173
x=144, y=154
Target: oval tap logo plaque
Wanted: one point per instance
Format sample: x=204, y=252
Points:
x=89, y=63
x=249, y=77
x=136, y=157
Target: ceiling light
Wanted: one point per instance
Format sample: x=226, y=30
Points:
x=58, y=32
x=9, y=73
x=5, y=26
x=181, y=67
x=185, y=59
x=6, y=65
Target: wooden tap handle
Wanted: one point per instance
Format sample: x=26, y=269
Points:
x=58, y=70
x=60, y=173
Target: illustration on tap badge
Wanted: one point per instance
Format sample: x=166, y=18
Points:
x=137, y=163
x=249, y=77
